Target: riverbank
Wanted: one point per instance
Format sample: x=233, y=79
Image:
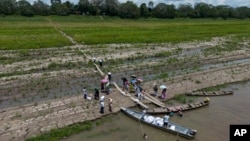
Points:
x=19, y=123
x=42, y=89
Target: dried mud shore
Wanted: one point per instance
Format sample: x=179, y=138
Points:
x=52, y=80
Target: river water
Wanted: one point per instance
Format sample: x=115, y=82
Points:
x=212, y=122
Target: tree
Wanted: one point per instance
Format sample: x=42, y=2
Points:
x=70, y=7
x=98, y=7
x=83, y=6
x=24, y=8
x=150, y=6
x=223, y=11
x=185, y=10
x=163, y=10
x=41, y=8
x=202, y=10
x=55, y=2
x=143, y=10
x=59, y=8
x=243, y=12
x=7, y=7
x=112, y=7
x=129, y=10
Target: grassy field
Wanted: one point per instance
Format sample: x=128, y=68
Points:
x=38, y=32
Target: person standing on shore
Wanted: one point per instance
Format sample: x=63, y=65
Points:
x=110, y=104
x=155, y=88
x=164, y=93
x=84, y=93
x=102, y=106
x=96, y=94
x=100, y=62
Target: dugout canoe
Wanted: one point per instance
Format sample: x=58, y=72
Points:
x=220, y=93
x=183, y=107
x=157, y=122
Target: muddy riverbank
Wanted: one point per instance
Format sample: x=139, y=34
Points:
x=41, y=94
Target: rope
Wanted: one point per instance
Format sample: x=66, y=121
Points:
x=140, y=126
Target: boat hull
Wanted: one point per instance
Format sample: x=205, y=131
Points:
x=221, y=93
x=157, y=122
x=183, y=107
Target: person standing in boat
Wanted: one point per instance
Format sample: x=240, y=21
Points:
x=165, y=121
x=143, y=114
x=192, y=132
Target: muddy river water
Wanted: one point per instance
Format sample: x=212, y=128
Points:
x=212, y=122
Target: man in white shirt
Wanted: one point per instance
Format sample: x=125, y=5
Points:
x=84, y=93
x=165, y=120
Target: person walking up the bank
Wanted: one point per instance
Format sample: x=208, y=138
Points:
x=84, y=93
x=100, y=62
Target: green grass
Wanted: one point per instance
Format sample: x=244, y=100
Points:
x=56, y=134
x=38, y=32
x=29, y=33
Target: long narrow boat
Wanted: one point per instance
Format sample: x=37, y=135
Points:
x=157, y=122
x=183, y=107
x=220, y=93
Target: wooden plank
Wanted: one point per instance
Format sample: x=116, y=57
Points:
x=100, y=71
x=149, y=99
x=138, y=102
x=155, y=101
x=119, y=89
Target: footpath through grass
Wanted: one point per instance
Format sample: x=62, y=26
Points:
x=37, y=32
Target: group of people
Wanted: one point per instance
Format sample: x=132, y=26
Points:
x=96, y=97
x=102, y=104
x=100, y=62
x=163, y=93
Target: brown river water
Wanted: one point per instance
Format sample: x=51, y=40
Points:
x=212, y=122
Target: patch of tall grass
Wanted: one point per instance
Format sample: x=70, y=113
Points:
x=56, y=134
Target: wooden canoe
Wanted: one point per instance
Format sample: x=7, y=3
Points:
x=157, y=122
x=183, y=107
x=220, y=93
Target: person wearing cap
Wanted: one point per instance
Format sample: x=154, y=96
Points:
x=110, y=104
x=100, y=62
x=207, y=100
x=102, y=106
x=192, y=132
x=109, y=76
